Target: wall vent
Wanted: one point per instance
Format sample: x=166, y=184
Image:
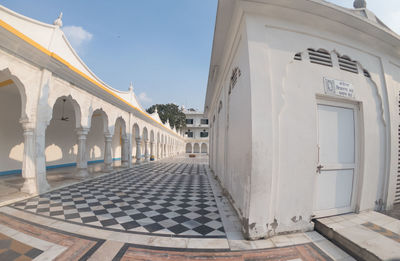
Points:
x=320, y=57
x=366, y=73
x=347, y=64
x=297, y=57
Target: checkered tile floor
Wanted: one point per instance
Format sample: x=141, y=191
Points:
x=161, y=198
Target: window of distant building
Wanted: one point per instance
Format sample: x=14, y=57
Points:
x=204, y=134
x=189, y=121
x=189, y=134
x=204, y=121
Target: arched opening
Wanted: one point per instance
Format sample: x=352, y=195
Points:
x=196, y=148
x=95, y=143
x=135, y=137
x=118, y=141
x=61, y=147
x=11, y=134
x=188, y=147
x=204, y=148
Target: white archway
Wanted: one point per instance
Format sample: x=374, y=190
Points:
x=204, y=148
x=196, y=148
x=188, y=147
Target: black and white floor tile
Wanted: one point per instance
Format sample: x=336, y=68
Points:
x=161, y=198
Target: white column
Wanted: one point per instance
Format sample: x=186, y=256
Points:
x=146, y=150
x=81, y=161
x=40, y=157
x=107, y=152
x=129, y=148
x=165, y=150
x=28, y=162
x=138, y=150
x=158, y=150
x=124, y=151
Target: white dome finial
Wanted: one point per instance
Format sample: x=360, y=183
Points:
x=360, y=4
x=58, y=21
x=131, y=87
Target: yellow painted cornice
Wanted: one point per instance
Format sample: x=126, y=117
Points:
x=6, y=82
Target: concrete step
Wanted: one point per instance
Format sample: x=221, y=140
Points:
x=368, y=235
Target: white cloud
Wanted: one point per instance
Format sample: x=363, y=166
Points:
x=144, y=98
x=77, y=36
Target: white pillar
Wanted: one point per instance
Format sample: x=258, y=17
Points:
x=124, y=152
x=81, y=161
x=107, y=152
x=165, y=150
x=158, y=150
x=138, y=150
x=28, y=162
x=146, y=150
x=129, y=148
x=40, y=156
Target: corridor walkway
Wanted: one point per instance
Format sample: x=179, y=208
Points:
x=170, y=209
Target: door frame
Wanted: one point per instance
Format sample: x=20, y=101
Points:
x=358, y=137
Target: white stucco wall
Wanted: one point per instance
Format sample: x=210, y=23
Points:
x=271, y=142
x=234, y=142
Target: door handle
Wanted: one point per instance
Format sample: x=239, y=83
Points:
x=319, y=167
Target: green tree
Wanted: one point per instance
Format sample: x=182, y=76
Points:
x=170, y=112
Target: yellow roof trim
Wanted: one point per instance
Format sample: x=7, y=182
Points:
x=71, y=67
x=6, y=82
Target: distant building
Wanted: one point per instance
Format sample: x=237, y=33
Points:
x=196, y=132
x=303, y=102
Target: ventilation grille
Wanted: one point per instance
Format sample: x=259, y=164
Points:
x=320, y=57
x=348, y=65
x=297, y=57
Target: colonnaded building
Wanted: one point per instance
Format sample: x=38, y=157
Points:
x=196, y=132
x=55, y=112
x=303, y=102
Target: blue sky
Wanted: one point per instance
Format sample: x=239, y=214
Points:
x=162, y=46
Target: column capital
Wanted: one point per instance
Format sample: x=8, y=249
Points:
x=138, y=139
x=27, y=125
x=108, y=136
x=82, y=131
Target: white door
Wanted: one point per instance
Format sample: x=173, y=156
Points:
x=337, y=160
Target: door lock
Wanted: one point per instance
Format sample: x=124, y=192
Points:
x=319, y=167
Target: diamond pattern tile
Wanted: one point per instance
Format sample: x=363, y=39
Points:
x=170, y=198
